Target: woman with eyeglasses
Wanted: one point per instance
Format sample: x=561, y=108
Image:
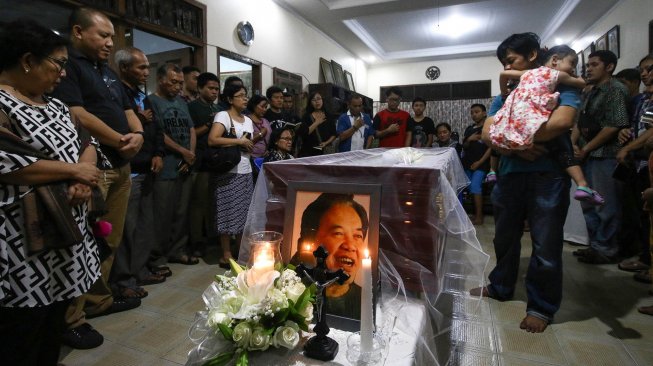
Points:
x=280, y=145
x=257, y=106
x=36, y=286
x=318, y=128
x=232, y=191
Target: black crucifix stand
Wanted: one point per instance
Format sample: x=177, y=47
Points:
x=321, y=347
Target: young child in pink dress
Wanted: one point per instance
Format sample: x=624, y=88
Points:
x=528, y=107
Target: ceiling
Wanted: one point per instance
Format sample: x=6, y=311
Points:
x=388, y=31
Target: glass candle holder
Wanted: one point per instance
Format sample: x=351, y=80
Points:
x=360, y=358
x=264, y=253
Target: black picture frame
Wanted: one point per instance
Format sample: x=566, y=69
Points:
x=338, y=74
x=327, y=71
x=580, y=66
x=586, y=56
x=613, y=40
x=297, y=249
x=601, y=43
x=349, y=78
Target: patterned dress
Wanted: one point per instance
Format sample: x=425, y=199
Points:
x=52, y=275
x=526, y=109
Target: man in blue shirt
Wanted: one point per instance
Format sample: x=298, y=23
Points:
x=531, y=186
x=354, y=127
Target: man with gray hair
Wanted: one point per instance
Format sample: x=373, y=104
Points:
x=130, y=269
x=173, y=185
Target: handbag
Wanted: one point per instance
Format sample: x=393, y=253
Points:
x=47, y=214
x=221, y=159
x=327, y=149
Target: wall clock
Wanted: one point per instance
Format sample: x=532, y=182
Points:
x=433, y=72
x=245, y=32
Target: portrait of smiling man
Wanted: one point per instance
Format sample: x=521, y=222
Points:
x=339, y=223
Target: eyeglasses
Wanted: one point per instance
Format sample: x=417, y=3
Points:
x=60, y=64
x=393, y=99
x=648, y=68
x=316, y=99
x=243, y=96
x=285, y=138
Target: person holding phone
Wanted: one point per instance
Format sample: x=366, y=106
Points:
x=355, y=127
x=232, y=191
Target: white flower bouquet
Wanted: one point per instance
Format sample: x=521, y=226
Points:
x=250, y=311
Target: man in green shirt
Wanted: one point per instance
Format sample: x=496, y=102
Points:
x=603, y=114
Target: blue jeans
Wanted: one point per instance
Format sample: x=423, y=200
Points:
x=603, y=222
x=543, y=199
x=476, y=180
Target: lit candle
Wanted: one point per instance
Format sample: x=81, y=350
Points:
x=263, y=263
x=306, y=254
x=367, y=317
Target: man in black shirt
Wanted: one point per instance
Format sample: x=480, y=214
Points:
x=97, y=100
x=202, y=112
x=130, y=268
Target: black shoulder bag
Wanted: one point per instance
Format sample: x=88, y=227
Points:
x=221, y=159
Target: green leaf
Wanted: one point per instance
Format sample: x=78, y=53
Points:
x=243, y=360
x=235, y=267
x=291, y=267
x=221, y=359
x=269, y=331
x=226, y=331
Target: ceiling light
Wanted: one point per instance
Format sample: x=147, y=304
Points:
x=456, y=26
x=369, y=59
x=558, y=41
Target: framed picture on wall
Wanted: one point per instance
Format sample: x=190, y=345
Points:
x=613, y=40
x=327, y=72
x=580, y=66
x=601, y=43
x=342, y=218
x=586, y=54
x=338, y=74
x=349, y=78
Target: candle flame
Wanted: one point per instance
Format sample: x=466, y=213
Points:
x=367, y=254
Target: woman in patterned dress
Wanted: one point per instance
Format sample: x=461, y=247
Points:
x=232, y=191
x=35, y=288
x=280, y=145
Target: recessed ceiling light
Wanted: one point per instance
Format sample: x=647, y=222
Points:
x=559, y=41
x=456, y=26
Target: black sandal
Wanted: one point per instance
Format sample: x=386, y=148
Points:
x=184, y=259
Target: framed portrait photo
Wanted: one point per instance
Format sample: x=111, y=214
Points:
x=327, y=72
x=601, y=43
x=586, y=55
x=349, y=78
x=580, y=66
x=338, y=74
x=344, y=219
x=613, y=40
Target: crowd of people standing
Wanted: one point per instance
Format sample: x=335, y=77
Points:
x=146, y=156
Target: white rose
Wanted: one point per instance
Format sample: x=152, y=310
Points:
x=277, y=299
x=231, y=302
x=242, y=334
x=216, y=317
x=259, y=341
x=307, y=312
x=294, y=291
x=286, y=336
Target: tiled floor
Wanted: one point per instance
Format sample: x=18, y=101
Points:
x=598, y=323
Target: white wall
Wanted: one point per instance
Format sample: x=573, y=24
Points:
x=281, y=40
x=469, y=69
x=632, y=16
